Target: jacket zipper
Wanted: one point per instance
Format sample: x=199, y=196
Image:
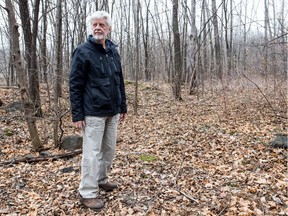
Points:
x=113, y=62
x=112, y=84
x=102, y=66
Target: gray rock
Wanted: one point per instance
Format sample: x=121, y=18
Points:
x=71, y=142
x=280, y=141
x=17, y=105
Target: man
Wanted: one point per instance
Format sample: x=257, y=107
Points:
x=98, y=100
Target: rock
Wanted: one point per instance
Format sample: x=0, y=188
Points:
x=67, y=170
x=12, y=107
x=71, y=142
x=280, y=141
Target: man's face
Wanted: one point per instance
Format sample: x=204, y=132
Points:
x=100, y=29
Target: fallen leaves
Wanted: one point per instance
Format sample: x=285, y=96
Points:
x=195, y=157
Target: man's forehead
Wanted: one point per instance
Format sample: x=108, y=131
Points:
x=102, y=20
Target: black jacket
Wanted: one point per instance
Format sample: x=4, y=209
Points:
x=96, y=81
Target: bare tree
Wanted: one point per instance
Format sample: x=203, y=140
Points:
x=145, y=38
x=136, y=9
x=43, y=49
x=149, y=45
x=228, y=40
x=177, y=76
x=184, y=41
x=17, y=63
x=15, y=51
x=58, y=71
x=194, y=46
x=165, y=44
x=284, y=41
x=266, y=21
x=218, y=62
x=102, y=5
x=30, y=38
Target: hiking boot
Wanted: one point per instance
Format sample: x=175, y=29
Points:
x=93, y=203
x=108, y=186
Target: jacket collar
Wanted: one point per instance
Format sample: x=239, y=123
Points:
x=109, y=43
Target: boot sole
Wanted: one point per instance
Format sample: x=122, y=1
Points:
x=94, y=209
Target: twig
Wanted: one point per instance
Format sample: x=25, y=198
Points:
x=188, y=197
x=175, y=181
x=37, y=159
x=224, y=209
x=60, y=125
x=178, y=171
x=263, y=95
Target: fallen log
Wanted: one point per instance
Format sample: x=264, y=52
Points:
x=45, y=158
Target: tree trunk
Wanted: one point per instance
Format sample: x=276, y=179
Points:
x=218, y=60
x=17, y=63
x=58, y=72
x=102, y=5
x=184, y=42
x=244, y=61
x=145, y=34
x=194, y=47
x=227, y=44
x=15, y=51
x=177, y=76
x=204, y=41
x=43, y=50
x=273, y=34
x=160, y=34
x=136, y=9
x=283, y=42
x=265, y=61
x=30, y=52
x=230, y=54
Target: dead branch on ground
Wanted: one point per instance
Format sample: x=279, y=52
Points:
x=38, y=159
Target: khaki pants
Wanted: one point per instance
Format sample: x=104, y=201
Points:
x=99, y=141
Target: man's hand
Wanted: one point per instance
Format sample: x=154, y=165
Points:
x=122, y=117
x=79, y=124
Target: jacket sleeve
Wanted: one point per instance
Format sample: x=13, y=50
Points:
x=123, y=105
x=77, y=84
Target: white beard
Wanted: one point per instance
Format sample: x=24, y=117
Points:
x=99, y=37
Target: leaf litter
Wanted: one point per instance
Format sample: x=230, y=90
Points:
x=205, y=155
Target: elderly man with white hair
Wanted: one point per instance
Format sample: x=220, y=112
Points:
x=98, y=102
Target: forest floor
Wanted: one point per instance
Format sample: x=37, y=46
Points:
x=205, y=155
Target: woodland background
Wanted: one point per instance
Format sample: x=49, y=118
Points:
x=206, y=86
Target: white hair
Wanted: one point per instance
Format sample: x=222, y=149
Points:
x=98, y=15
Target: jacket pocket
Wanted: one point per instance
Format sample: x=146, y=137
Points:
x=118, y=91
x=115, y=65
x=98, y=66
x=101, y=93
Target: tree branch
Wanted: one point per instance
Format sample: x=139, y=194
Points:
x=188, y=197
x=176, y=176
x=37, y=159
x=275, y=113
